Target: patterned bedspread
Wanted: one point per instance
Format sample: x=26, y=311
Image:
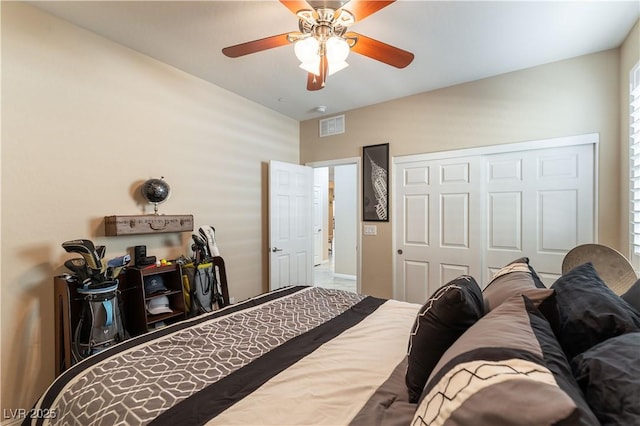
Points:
x=300, y=355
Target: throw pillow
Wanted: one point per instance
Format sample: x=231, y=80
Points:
x=632, y=296
x=516, y=278
x=584, y=311
x=609, y=375
x=448, y=313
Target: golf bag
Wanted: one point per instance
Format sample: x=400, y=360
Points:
x=100, y=325
x=202, y=292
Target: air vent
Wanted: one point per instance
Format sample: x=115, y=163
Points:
x=332, y=126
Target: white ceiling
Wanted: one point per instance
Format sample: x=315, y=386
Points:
x=453, y=42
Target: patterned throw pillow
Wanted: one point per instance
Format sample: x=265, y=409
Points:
x=507, y=369
x=448, y=313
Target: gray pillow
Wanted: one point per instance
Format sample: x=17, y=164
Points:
x=516, y=278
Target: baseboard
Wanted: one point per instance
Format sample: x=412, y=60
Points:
x=346, y=276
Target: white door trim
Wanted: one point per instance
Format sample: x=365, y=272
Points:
x=591, y=138
x=358, y=162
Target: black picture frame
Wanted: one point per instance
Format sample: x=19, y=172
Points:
x=375, y=183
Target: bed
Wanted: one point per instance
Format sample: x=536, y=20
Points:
x=298, y=356
x=510, y=352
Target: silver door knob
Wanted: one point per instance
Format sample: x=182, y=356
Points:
x=275, y=249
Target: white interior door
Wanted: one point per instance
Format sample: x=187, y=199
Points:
x=472, y=214
x=290, y=224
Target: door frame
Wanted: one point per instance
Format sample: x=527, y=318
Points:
x=586, y=139
x=358, y=162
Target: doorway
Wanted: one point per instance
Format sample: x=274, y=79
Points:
x=336, y=224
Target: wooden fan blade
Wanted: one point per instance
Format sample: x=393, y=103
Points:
x=363, y=8
x=380, y=51
x=314, y=82
x=296, y=5
x=256, y=45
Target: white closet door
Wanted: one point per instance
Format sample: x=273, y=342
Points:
x=539, y=204
x=474, y=214
x=438, y=225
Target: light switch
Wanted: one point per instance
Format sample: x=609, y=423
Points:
x=370, y=230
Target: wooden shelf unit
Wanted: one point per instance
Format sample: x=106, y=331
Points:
x=140, y=321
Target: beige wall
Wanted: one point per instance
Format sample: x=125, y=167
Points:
x=84, y=122
x=629, y=56
x=571, y=97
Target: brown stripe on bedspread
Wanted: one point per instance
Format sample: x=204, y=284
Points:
x=389, y=405
x=218, y=396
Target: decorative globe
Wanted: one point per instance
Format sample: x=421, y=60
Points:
x=156, y=191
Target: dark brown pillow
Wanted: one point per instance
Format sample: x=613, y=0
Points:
x=609, y=375
x=448, y=313
x=632, y=296
x=584, y=312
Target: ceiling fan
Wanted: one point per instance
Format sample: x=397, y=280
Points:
x=323, y=42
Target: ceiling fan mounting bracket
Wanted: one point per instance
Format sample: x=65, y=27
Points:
x=324, y=22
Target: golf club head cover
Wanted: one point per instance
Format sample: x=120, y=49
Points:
x=79, y=267
x=209, y=235
x=200, y=245
x=119, y=261
x=101, y=250
x=87, y=249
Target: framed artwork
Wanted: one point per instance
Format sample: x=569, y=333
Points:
x=375, y=183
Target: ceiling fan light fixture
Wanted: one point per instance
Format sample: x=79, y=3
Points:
x=312, y=66
x=337, y=66
x=307, y=49
x=337, y=50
